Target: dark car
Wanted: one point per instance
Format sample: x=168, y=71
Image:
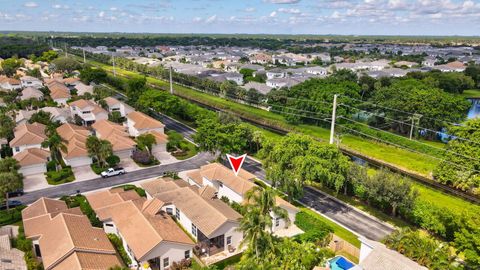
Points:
x=11, y=204
x=15, y=193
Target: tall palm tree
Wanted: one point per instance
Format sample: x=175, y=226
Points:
x=56, y=144
x=104, y=151
x=146, y=141
x=265, y=200
x=99, y=149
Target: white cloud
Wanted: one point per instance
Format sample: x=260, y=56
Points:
x=197, y=19
x=101, y=14
x=113, y=8
x=30, y=5
x=273, y=14
x=211, y=19
x=250, y=9
x=282, y=1
x=289, y=10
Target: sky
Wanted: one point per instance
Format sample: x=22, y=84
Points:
x=344, y=17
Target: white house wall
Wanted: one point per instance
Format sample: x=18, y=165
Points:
x=34, y=169
x=225, y=191
x=26, y=146
x=173, y=251
x=78, y=162
x=229, y=229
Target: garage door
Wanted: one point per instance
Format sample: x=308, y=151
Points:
x=33, y=169
x=77, y=162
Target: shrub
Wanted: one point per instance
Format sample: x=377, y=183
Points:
x=144, y=158
x=140, y=191
x=81, y=201
x=51, y=166
x=181, y=265
x=26, y=246
x=113, y=160
x=12, y=216
x=315, y=229
x=118, y=244
x=97, y=169
x=63, y=176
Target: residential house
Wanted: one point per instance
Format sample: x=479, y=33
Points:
x=321, y=71
x=28, y=136
x=276, y=73
x=82, y=88
x=59, y=92
x=123, y=146
x=429, y=62
x=87, y=111
x=285, y=82
x=76, y=154
x=455, y=66
x=114, y=105
x=30, y=92
x=64, y=238
x=212, y=223
x=33, y=161
x=9, y=83
x=29, y=81
x=235, y=77
x=260, y=58
x=234, y=187
x=22, y=116
x=10, y=258
x=405, y=64
x=260, y=87
x=376, y=256
x=284, y=60
x=139, y=123
x=150, y=236
x=58, y=114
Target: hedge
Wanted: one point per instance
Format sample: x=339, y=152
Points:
x=25, y=245
x=315, y=229
x=12, y=216
x=82, y=202
x=140, y=191
x=118, y=244
x=65, y=175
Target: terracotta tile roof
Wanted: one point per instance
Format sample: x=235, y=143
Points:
x=76, y=137
x=111, y=101
x=216, y=171
x=47, y=206
x=82, y=103
x=70, y=80
x=284, y=204
x=28, y=134
x=160, y=185
x=115, y=134
x=31, y=92
x=106, y=198
x=65, y=234
x=455, y=64
x=32, y=156
x=159, y=137
x=58, y=90
x=5, y=79
x=141, y=222
x=207, y=214
x=143, y=121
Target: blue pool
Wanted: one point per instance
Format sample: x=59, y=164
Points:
x=340, y=263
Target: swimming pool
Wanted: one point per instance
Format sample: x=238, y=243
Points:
x=340, y=263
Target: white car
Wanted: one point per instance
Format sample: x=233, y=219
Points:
x=112, y=172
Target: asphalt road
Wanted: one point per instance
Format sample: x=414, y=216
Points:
x=98, y=183
x=336, y=210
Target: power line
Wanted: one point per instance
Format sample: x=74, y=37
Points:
x=397, y=110
x=441, y=149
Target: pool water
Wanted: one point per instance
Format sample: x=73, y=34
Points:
x=340, y=263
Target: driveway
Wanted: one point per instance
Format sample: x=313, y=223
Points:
x=34, y=182
x=129, y=165
x=84, y=173
x=165, y=158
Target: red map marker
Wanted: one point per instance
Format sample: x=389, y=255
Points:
x=236, y=162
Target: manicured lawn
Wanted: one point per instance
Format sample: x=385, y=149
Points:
x=140, y=191
x=191, y=150
x=473, y=93
x=229, y=261
x=337, y=229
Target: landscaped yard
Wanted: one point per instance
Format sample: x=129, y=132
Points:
x=65, y=175
x=140, y=191
x=188, y=150
x=473, y=93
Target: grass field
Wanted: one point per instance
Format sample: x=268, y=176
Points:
x=473, y=93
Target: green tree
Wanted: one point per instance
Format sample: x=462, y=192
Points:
x=41, y=117
x=6, y=126
x=10, y=66
x=146, y=142
x=460, y=166
x=136, y=87
x=99, y=149
x=34, y=73
x=48, y=56
x=66, y=64
x=10, y=179
x=56, y=144
x=296, y=159
x=89, y=74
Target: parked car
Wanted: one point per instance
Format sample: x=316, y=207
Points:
x=11, y=204
x=15, y=193
x=112, y=172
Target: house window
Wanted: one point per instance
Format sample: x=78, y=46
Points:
x=109, y=225
x=169, y=210
x=17, y=149
x=229, y=240
x=277, y=222
x=166, y=262
x=194, y=230
x=177, y=213
x=220, y=184
x=187, y=254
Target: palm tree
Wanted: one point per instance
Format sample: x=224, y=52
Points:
x=258, y=217
x=99, y=149
x=104, y=152
x=10, y=179
x=56, y=144
x=146, y=141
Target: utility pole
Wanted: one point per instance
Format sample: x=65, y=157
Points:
x=334, y=116
x=415, y=118
x=84, y=58
x=65, y=46
x=171, y=82
x=114, y=71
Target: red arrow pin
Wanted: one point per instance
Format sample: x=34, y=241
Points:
x=236, y=162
